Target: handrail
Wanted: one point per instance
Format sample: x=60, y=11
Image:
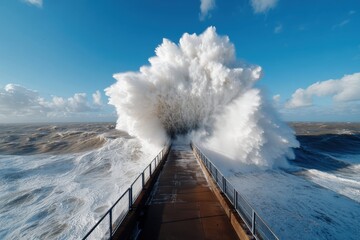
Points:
x=132, y=192
x=258, y=227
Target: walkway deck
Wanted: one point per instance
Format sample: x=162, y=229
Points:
x=182, y=205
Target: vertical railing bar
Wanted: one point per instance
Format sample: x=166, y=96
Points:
x=216, y=174
x=110, y=227
x=253, y=222
x=130, y=198
x=235, y=199
x=225, y=189
x=223, y=185
x=142, y=180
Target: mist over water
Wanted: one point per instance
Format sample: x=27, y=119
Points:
x=198, y=88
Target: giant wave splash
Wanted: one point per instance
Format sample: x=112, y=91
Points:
x=199, y=89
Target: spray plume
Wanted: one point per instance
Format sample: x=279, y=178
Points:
x=198, y=88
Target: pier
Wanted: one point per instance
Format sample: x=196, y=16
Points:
x=182, y=204
x=181, y=194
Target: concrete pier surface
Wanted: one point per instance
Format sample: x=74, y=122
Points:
x=182, y=204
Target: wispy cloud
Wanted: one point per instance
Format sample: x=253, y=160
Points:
x=37, y=3
x=278, y=28
x=205, y=7
x=344, y=22
x=341, y=24
x=21, y=102
x=262, y=6
x=340, y=90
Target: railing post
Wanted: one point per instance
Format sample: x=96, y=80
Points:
x=143, y=179
x=224, y=184
x=253, y=222
x=110, y=225
x=216, y=173
x=235, y=199
x=130, y=198
x=150, y=169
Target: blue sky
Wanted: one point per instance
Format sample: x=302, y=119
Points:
x=61, y=55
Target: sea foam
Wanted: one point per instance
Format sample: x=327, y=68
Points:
x=199, y=89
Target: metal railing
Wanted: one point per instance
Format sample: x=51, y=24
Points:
x=112, y=219
x=251, y=218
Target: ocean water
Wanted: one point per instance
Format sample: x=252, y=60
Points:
x=57, y=180
x=59, y=192
x=318, y=195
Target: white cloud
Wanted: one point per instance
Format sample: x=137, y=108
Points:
x=278, y=28
x=20, y=102
x=77, y=103
x=340, y=90
x=37, y=3
x=97, y=98
x=262, y=6
x=276, y=98
x=205, y=7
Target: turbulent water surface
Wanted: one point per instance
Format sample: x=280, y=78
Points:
x=318, y=195
x=59, y=192
x=56, y=180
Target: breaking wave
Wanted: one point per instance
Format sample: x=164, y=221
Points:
x=199, y=89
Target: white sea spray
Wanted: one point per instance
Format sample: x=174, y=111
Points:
x=198, y=88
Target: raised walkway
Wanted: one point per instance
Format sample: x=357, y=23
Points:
x=182, y=204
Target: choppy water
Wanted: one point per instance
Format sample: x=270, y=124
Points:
x=56, y=180
x=27, y=139
x=318, y=197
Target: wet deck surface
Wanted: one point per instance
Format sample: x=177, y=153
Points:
x=182, y=205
